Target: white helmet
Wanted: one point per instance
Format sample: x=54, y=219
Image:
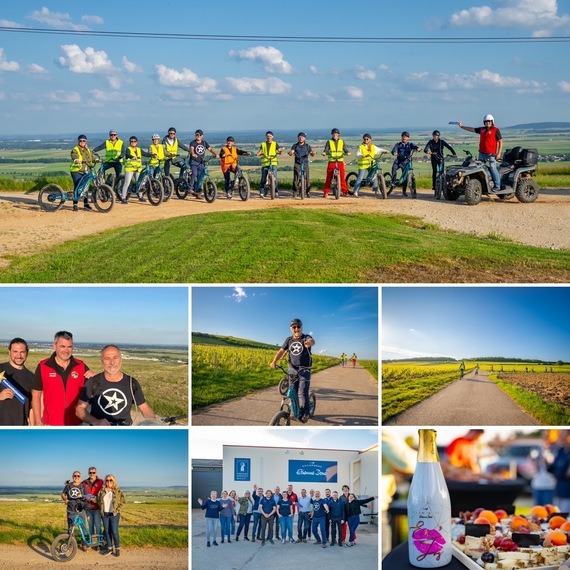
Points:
x=488, y=118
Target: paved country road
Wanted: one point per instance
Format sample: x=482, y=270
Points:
x=345, y=397
x=473, y=400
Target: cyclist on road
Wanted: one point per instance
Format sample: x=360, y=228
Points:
x=402, y=151
x=113, y=149
x=132, y=157
x=171, y=145
x=229, y=162
x=353, y=359
x=462, y=369
x=343, y=358
x=82, y=160
x=158, y=159
x=299, y=348
x=335, y=149
x=198, y=148
x=366, y=155
x=434, y=148
x=302, y=151
x=490, y=145
x=268, y=152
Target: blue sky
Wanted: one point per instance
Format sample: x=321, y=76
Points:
x=521, y=322
x=339, y=318
x=69, y=83
x=157, y=458
x=207, y=443
x=138, y=315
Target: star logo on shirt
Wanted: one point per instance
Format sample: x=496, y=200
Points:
x=200, y=149
x=75, y=493
x=112, y=401
x=296, y=348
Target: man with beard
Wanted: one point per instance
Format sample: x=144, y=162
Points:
x=14, y=412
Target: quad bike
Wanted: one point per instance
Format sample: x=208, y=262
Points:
x=473, y=178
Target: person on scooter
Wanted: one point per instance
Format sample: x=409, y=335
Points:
x=434, y=148
x=403, y=152
x=299, y=348
x=490, y=145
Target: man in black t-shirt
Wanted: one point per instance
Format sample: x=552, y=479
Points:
x=299, y=348
x=111, y=394
x=302, y=151
x=14, y=412
x=73, y=496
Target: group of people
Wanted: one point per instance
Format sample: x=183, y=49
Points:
x=161, y=154
x=344, y=359
x=63, y=391
x=98, y=502
x=328, y=518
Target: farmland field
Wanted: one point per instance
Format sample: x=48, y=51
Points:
x=407, y=383
x=220, y=372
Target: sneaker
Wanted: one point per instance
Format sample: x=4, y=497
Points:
x=292, y=541
x=124, y=201
x=325, y=194
x=355, y=194
x=208, y=544
x=305, y=418
x=282, y=541
x=83, y=547
x=271, y=540
x=305, y=540
x=75, y=208
x=229, y=195
x=237, y=538
x=317, y=542
x=215, y=543
x=340, y=544
x=252, y=539
x=263, y=543
x=222, y=541
x=324, y=544
x=245, y=538
x=261, y=194
x=333, y=543
x=117, y=553
x=87, y=207
x=107, y=552
x=229, y=541
x=199, y=197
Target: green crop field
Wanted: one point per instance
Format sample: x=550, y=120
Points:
x=223, y=372
x=407, y=383
x=155, y=522
x=164, y=382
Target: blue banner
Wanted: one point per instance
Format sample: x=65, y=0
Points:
x=313, y=471
x=242, y=469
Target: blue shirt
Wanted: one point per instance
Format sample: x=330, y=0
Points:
x=319, y=508
x=285, y=507
x=404, y=150
x=266, y=505
x=212, y=509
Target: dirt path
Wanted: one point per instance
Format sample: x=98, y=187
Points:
x=36, y=556
x=345, y=396
x=25, y=229
x=473, y=400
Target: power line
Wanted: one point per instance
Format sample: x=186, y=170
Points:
x=291, y=39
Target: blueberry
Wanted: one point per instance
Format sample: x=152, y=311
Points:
x=487, y=557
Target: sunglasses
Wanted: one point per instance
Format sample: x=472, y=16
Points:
x=76, y=476
x=92, y=472
x=295, y=327
x=82, y=140
x=108, y=480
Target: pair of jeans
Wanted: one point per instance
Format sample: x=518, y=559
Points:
x=94, y=521
x=197, y=174
x=256, y=532
x=303, y=525
x=303, y=386
x=232, y=526
x=244, y=521
x=267, y=522
x=264, y=172
x=362, y=174
x=297, y=177
x=491, y=159
x=111, y=525
x=336, y=527
x=286, y=524
x=225, y=522
x=76, y=177
x=320, y=523
x=400, y=162
x=212, y=528
x=353, y=522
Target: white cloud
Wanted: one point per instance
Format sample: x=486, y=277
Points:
x=354, y=93
x=271, y=58
x=6, y=65
x=130, y=66
x=35, y=69
x=56, y=20
x=239, y=294
x=61, y=96
x=366, y=74
x=269, y=86
x=114, y=96
x=10, y=24
x=565, y=86
x=314, y=70
x=96, y=20
x=186, y=78
x=85, y=61
x=541, y=16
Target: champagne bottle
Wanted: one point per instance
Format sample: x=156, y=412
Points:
x=429, y=508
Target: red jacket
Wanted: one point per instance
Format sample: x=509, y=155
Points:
x=60, y=401
x=93, y=490
x=488, y=139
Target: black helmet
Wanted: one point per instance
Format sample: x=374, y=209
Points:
x=435, y=133
x=301, y=134
x=335, y=130
x=297, y=322
x=230, y=139
x=199, y=132
x=81, y=137
x=405, y=134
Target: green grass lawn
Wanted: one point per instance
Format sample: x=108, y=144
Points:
x=288, y=245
